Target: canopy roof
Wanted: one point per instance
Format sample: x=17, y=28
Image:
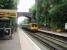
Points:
x=8, y=13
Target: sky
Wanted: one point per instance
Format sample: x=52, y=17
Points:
x=21, y=19
x=24, y=5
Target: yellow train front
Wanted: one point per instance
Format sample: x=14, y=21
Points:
x=33, y=27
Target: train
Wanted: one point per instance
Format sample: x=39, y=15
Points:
x=31, y=26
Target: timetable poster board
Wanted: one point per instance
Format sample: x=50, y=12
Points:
x=8, y=8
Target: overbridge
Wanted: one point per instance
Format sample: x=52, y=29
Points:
x=24, y=14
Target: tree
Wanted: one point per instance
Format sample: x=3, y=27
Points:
x=7, y=4
x=51, y=12
x=32, y=11
x=58, y=15
x=42, y=11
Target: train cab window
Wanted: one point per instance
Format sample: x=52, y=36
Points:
x=34, y=25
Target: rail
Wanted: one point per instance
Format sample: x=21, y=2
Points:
x=54, y=42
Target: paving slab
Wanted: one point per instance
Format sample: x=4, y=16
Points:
x=13, y=44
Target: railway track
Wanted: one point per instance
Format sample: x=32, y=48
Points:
x=52, y=41
x=58, y=44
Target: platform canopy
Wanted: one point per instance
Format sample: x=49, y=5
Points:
x=8, y=13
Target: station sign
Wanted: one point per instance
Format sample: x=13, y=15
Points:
x=8, y=13
x=65, y=25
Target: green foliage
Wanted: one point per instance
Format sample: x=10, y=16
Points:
x=33, y=11
x=7, y=4
x=42, y=11
x=51, y=12
x=58, y=15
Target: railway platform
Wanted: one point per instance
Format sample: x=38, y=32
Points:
x=55, y=33
x=12, y=44
x=19, y=41
x=22, y=41
x=26, y=42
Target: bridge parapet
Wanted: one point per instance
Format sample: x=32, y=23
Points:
x=26, y=14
